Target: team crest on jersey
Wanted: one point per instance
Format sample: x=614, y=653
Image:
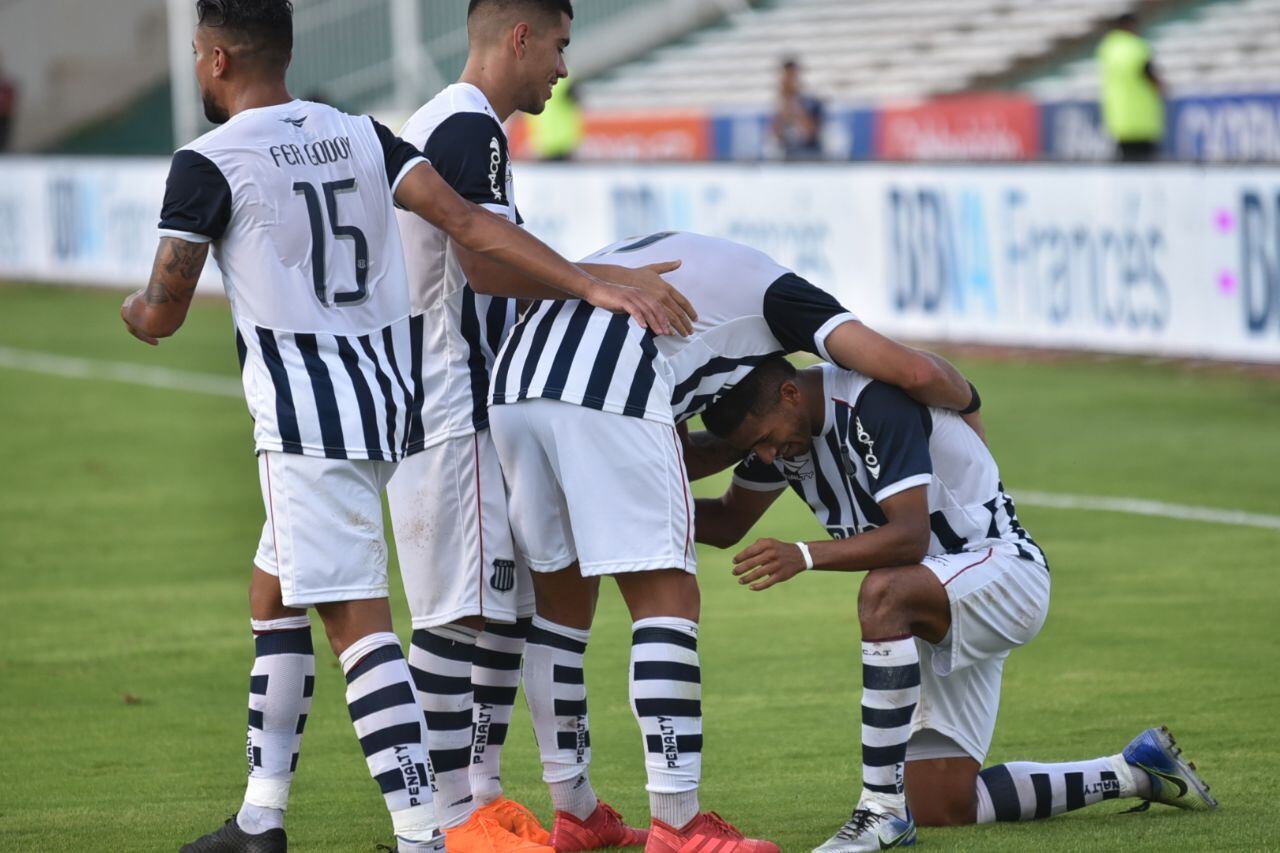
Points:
x=296, y=122
x=799, y=468
x=503, y=578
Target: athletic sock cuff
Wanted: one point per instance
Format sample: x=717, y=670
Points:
x=1124, y=774
x=886, y=653
x=288, y=623
x=416, y=823
x=267, y=793
x=362, y=647
x=673, y=623
x=456, y=633
x=582, y=635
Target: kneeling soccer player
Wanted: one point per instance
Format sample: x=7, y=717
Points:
x=954, y=583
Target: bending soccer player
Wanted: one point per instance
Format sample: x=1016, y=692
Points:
x=583, y=412
x=296, y=200
x=471, y=599
x=912, y=496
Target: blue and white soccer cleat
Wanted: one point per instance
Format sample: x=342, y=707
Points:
x=1174, y=780
x=869, y=828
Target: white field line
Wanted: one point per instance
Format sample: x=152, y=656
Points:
x=208, y=383
x=1138, y=506
x=72, y=367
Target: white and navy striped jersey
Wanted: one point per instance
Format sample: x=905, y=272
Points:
x=749, y=307
x=461, y=330
x=297, y=201
x=877, y=442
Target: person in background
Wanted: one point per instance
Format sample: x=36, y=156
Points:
x=797, y=125
x=1132, y=93
x=8, y=106
x=556, y=133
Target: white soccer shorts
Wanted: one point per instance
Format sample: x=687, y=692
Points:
x=323, y=536
x=607, y=490
x=449, y=513
x=999, y=601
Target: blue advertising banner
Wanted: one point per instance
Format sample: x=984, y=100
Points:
x=1225, y=128
x=1242, y=128
x=1072, y=130
x=847, y=134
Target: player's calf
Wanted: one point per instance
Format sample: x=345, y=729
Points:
x=942, y=792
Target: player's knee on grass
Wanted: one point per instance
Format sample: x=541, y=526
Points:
x=942, y=792
x=665, y=592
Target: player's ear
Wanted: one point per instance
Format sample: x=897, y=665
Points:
x=790, y=392
x=520, y=39
x=220, y=58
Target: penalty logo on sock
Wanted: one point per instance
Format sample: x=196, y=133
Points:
x=412, y=774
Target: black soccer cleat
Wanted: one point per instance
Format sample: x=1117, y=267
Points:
x=230, y=838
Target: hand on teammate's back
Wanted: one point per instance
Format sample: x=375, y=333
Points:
x=650, y=279
x=645, y=295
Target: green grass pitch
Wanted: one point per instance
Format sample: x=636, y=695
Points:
x=129, y=517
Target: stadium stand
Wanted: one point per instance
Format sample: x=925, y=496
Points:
x=59, y=51
x=885, y=49
x=1226, y=46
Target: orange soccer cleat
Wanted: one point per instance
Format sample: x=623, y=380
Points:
x=603, y=828
x=517, y=820
x=482, y=834
x=705, y=833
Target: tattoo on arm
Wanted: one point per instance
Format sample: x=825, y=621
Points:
x=177, y=271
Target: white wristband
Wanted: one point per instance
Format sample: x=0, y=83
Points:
x=804, y=552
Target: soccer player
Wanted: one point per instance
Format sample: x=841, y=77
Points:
x=913, y=497
x=470, y=598
x=584, y=413
x=295, y=199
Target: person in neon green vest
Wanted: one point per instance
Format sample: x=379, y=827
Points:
x=1132, y=93
x=556, y=133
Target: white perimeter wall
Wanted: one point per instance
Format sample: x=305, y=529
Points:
x=1174, y=260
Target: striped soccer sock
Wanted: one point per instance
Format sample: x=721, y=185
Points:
x=666, y=696
x=280, y=688
x=440, y=660
x=495, y=677
x=1024, y=790
x=556, y=691
x=890, y=692
x=388, y=722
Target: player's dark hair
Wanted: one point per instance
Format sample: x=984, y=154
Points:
x=757, y=393
x=263, y=28
x=546, y=7
x=1127, y=21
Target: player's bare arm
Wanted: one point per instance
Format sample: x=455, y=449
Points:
x=902, y=541
x=723, y=521
x=159, y=309
x=705, y=454
x=929, y=379
x=425, y=193
x=488, y=276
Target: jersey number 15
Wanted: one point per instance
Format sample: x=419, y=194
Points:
x=349, y=232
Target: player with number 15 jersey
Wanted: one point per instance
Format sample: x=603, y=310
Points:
x=305, y=235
